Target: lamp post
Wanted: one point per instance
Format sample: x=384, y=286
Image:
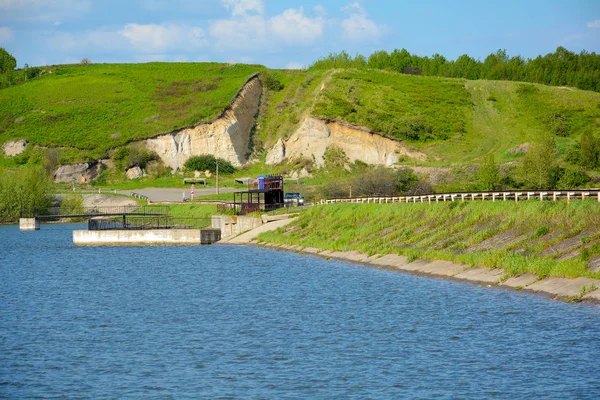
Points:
x=217, y=176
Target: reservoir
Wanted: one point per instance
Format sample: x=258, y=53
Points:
x=244, y=322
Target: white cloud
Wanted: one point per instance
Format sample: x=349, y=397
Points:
x=239, y=33
x=240, y=8
x=292, y=26
x=594, y=24
x=358, y=26
x=146, y=42
x=249, y=28
x=156, y=38
x=5, y=34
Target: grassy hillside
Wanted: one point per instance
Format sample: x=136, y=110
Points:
x=399, y=106
x=97, y=107
x=548, y=239
x=86, y=110
x=455, y=121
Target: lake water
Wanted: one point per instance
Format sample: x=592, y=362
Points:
x=244, y=322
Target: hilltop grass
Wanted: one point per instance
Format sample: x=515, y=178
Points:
x=396, y=105
x=456, y=232
x=97, y=107
x=507, y=114
x=282, y=111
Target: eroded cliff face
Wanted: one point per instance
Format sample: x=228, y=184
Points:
x=314, y=136
x=227, y=137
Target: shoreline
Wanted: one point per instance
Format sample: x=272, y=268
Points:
x=555, y=288
x=560, y=289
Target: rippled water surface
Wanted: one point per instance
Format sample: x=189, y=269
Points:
x=243, y=322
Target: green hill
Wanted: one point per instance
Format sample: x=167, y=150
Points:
x=88, y=110
x=101, y=106
x=455, y=121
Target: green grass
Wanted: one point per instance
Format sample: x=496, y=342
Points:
x=396, y=105
x=517, y=116
x=450, y=232
x=87, y=110
x=101, y=106
x=282, y=111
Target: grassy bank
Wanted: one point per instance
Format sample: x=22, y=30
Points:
x=547, y=239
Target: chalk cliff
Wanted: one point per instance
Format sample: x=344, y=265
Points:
x=227, y=137
x=314, y=135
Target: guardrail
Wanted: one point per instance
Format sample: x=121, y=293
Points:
x=139, y=196
x=513, y=195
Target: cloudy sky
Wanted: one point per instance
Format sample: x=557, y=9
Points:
x=288, y=33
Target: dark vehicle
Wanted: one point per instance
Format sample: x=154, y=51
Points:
x=293, y=199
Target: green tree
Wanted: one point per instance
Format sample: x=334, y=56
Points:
x=26, y=187
x=489, y=174
x=538, y=167
x=205, y=162
x=589, y=150
x=7, y=62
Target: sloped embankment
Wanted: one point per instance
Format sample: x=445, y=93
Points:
x=522, y=243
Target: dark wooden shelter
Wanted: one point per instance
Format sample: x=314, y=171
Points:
x=264, y=194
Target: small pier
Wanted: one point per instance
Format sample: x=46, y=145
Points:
x=126, y=226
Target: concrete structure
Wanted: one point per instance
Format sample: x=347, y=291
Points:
x=29, y=224
x=145, y=237
x=247, y=237
x=232, y=225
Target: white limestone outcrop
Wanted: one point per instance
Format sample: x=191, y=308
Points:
x=14, y=147
x=314, y=136
x=80, y=173
x=227, y=137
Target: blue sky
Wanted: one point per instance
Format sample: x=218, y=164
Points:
x=288, y=33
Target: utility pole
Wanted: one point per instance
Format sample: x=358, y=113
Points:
x=217, y=176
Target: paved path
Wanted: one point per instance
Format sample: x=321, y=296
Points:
x=174, y=194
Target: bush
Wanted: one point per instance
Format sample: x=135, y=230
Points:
x=208, y=162
x=334, y=157
x=489, y=174
x=271, y=82
x=572, y=178
x=135, y=155
x=27, y=187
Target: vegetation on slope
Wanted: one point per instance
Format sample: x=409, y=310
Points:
x=283, y=106
x=398, y=106
x=101, y=106
x=562, y=67
x=547, y=239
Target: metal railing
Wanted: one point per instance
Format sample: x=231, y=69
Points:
x=144, y=223
x=513, y=195
x=80, y=212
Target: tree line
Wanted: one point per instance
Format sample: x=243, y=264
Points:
x=10, y=75
x=561, y=68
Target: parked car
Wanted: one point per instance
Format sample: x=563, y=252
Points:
x=293, y=199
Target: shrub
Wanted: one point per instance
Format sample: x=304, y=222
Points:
x=208, y=162
x=334, y=157
x=589, y=147
x=271, y=82
x=572, y=178
x=27, y=187
x=489, y=174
